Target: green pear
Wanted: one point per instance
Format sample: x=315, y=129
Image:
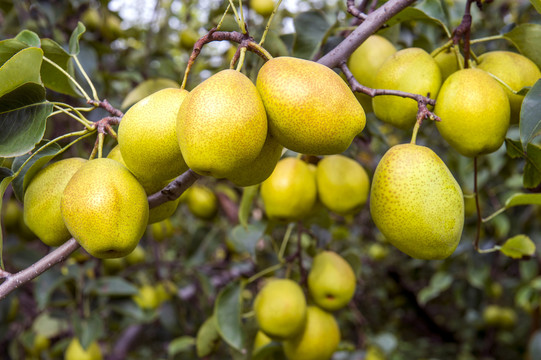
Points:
x=416, y=202
x=449, y=63
x=318, y=340
x=311, y=110
x=280, y=309
x=40, y=344
x=290, y=192
x=12, y=214
x=160, y=212
x=41, y=209
x=331, y=281
x=342, y=184
x=260, y=345
x=516, y=70
x=260, y=169
x=147, y=298
x=137, y=256
x=188, y=38
x=76, y=352
x=202, y=202
x=262, y=7
x=147, y=137
x=162, y=230
x=474, y=112
x=222, y=124
x=411, y=70
x=105, y=208
x=494, y=315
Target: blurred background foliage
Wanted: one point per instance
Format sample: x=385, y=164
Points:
x=469, y=306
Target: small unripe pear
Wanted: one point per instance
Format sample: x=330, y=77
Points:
x=76, y=352
x=105, y=208
x=311, y=109
x=416, y=202
x=449, y=62
x=42, y=201
x=262, y=7
x=202, y=202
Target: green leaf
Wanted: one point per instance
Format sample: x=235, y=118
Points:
x=21, y=68
x=207, y=338
x=438, y=283
x=10, y=47
x=39, y=160
x=227, y=312
x=526, y=38
x=244, y=239
x=180, y=345
x=271, y=350
x=248, y=195
x=311, y=27
x=537, y=5
x=49, y=326
x=518, y=246
x=410, y=14
x=146, y=88
x=434, y=10
x=530, y=115
x=23, y=115
x=523, y=199
x=111, y=286
x=75, y=37
x=534, y=348
x=53, y=78
x=514, y=148
x=28, y=37
x=6, y=177
x=532, y=169
x=91, y=330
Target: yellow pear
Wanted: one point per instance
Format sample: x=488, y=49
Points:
x=365, y=61
x=137, y=256
x=260, y=342
x=342, y=184
x=260, y=169
x=516, y=70
x=76, y=352
x=262, y=7
x=416, y=202
x=280, y=309
x=222, y=124
x=105, y=208
x=474, y=112
x=147, y=136
x=290, y=192
x=331, y=281
x=311, y=110
x=412, y=70
x=41, y=209
x=319, y=339
x=147, y=297
x=160, y=212
x=202, y=202
x=448, y=63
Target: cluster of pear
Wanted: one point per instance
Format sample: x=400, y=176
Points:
x=292, y=190
x=308, y=332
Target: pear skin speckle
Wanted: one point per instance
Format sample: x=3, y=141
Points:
x=416, y=202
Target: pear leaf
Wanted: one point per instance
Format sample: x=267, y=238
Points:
x=111, y=286
x=207, y=338
x=6, y=176
x=227, y=311
x=49, y=326
x=53, y=78
x=244, y=239
x=518, y=246
x=438, y=283
x=514, y=148
x=532, y=169
x=28, y=37
x=180, y=345
x=75, y=37
x=537, y=5
x=10, y=47
x=92, y=329
x=526, y=38
x=269, y=351
x=146, y=88
x=21, y=68
x=523, y=199
x=411, y=13
x=530, y=115
x=311, y=27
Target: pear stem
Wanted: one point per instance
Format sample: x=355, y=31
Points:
x=87, y=78
x=415, y=130
x=69, y=77
x=267, y=27
x=264, y=272
x=79, y=117
x=285, y=241
x=477, y=206
x=488, y=38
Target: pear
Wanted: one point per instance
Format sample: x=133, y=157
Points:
x=160, y=212
x=147, y=136
x=342, y=184
x=474, y=112
x=449, y=62
x=311, y=110
x=137, y=256
x=41, y=209
x=290, y=192
x=416, y=202
x=188, y=38
x=318, y=340
x=331, y=281
x=105, y=208
x=260, y=169
x=280, y=309
x=412, y=70
x=262, y=7
x=75, y=351
x=147, y=298
x=222, y=124
x=516, y=70
x=202, y=202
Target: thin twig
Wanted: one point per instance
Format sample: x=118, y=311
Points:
x=174, y=189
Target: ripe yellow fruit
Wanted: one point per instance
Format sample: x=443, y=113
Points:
x=290, y=192
x=416, y=202
x=222, y=124
x=202, y=202
x=474, y=112
x=412, y=70
x=147, y=298
x=319, y=339
x=262, y=7
x=448, y=63
x=280, y=309
x=331, y=281
x=105, y=208
x=41, y=209
x=311, y=109
x=147, y=137
x=494, y=315
x=342, y=184
x=516, y=70
x=162, y=230
x=76, y=352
